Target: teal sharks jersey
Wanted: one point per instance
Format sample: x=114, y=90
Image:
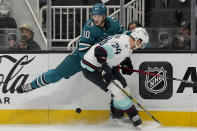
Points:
x=92, y=34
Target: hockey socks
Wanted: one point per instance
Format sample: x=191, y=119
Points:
x=134, y=116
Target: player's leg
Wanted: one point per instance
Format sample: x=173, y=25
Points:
x=123, y=102
x=117, y=113
x=134, y=116
x=96, y=78
x=68, y=67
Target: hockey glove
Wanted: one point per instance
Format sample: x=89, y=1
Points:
x=106, y=73
x=127, y=64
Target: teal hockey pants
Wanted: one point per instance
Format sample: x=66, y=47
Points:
x=67, y=68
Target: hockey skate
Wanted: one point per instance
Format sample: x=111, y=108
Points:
x=136, y=121
x=116, y=117
x=24, y=88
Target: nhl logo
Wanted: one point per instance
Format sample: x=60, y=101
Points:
x=154, y=87
x=156, y=84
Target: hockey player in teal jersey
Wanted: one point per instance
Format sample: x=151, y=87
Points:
x=96, y=29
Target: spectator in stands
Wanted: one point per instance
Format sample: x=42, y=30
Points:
x=182, y=41
x=132, y=25
x=26, y=41
x=182, y=6
x=5, y=20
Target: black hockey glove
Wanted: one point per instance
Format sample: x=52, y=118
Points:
x=127, y=64
x=106, y=73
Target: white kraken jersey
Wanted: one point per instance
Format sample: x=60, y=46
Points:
x=117, y=48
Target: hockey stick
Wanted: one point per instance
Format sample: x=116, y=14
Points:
x=135, y=101
x=153, y=74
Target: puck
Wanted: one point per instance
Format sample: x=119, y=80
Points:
x=78, y=110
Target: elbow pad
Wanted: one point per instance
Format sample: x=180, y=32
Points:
x=101, y=54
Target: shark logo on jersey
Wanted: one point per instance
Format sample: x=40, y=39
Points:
x=90, y=24
x=156, y=84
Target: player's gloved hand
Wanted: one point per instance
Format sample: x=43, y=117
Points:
x=127, y=64
x=106, y=72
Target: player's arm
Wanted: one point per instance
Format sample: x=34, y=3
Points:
x=101, y=55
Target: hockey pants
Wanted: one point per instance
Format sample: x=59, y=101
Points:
x=67, y=68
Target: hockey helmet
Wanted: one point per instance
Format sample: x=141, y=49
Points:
x=99, y=9
x=4, y=11
x=140, y=33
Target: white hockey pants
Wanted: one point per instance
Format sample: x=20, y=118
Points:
x=120, y=100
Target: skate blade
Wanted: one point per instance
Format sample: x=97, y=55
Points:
x=151, y=125
x=139, y=127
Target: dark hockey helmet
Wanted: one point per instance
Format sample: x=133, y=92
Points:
x=99, y=9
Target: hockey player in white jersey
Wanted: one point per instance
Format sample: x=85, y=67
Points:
x=100, y=67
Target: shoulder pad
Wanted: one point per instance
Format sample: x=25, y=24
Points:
x=112, y=19
x=115, y=19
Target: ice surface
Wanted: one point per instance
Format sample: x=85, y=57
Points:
x=104, y=127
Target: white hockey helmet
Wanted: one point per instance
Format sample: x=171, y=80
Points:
x=140, y=33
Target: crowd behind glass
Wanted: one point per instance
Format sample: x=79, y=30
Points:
x=174, y=34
